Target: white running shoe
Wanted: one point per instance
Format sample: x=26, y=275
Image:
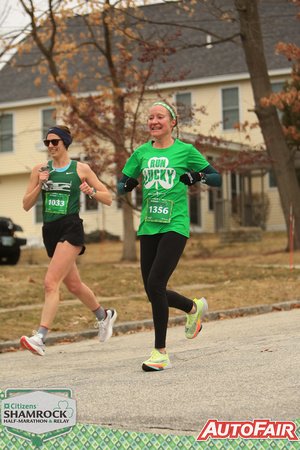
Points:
x=106, y=325
x=34, y=344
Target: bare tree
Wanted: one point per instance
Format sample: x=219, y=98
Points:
x=277, y=148
x=245, y=15
x=103, y=53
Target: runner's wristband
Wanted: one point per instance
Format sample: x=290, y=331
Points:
x=94, y=192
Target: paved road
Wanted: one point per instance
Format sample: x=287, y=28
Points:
x=236, y=369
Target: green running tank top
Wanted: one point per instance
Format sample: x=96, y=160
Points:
x=62, y=196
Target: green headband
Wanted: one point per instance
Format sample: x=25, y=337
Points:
x=168, y=108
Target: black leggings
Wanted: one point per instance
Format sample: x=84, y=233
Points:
x=160, y=254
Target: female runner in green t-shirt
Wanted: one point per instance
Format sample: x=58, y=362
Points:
x=167, y=166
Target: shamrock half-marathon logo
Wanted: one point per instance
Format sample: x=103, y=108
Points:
x=158, y=173
x=38, y=415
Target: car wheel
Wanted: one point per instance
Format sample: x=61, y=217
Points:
x=13, y=258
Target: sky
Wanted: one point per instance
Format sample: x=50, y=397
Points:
x=13, y=18
x=11, y=15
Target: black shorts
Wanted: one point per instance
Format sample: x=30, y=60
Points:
x=68, y=228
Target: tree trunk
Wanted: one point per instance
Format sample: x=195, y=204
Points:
x=129, y=247
x=278, y=151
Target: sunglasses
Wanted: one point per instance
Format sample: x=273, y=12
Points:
x=53, y=142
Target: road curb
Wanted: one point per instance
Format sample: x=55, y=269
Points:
x=139, y=325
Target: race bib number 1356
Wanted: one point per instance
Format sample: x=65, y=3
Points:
x=158, y=210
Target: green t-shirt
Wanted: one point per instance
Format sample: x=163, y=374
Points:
x=62, y=198
x=165, y=201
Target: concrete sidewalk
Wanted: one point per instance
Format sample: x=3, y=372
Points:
x=237, y=369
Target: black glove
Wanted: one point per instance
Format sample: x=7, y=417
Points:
x=190, y=178
x=130, y=184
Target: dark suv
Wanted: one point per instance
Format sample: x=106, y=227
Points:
x=9, y=243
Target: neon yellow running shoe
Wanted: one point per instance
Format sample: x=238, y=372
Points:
x=193, y=325
x=157, y=361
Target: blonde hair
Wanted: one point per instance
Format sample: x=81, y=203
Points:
x=173, y=113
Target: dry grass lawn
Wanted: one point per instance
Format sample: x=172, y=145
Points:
x=229, y=276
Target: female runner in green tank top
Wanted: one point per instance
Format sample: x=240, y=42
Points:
x=61, y=181
x=167, y=166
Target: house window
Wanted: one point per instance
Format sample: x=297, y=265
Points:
x=277, y=87
x=230, y=107
x=6, y=133
x=272, y=180
x=48, y=120
x=183, y=101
